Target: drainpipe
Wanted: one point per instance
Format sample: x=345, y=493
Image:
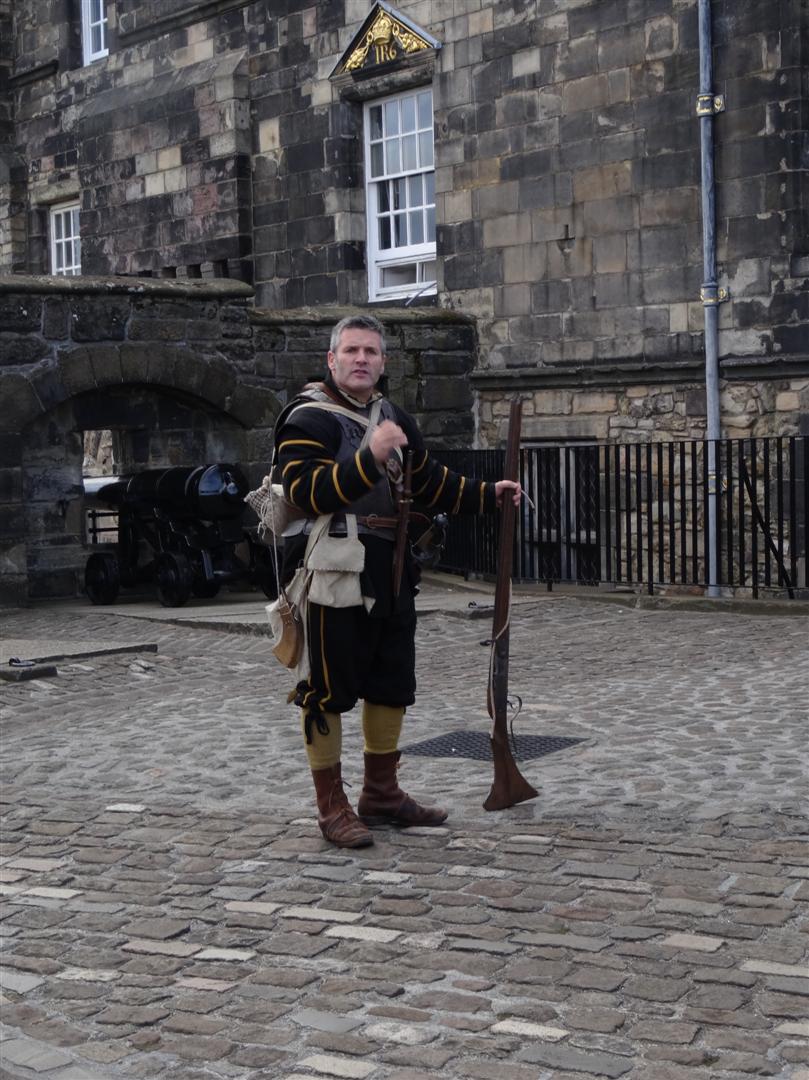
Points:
x=708, y=105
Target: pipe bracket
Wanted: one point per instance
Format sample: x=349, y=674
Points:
x=712, y=294
x=710, y=104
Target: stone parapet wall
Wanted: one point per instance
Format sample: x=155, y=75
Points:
x=431, y=354
x=165, y=365
x=171, y=373
x=651, y=405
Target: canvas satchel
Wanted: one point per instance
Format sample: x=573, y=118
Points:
x=335, y=563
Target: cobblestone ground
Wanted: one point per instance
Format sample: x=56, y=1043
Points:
x=170, y=910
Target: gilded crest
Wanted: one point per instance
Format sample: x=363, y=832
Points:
x=385, y=36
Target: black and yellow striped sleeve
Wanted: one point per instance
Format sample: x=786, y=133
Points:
x=312, y=477
x=437, y=488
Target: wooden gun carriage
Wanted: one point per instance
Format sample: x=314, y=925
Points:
x=181, y=528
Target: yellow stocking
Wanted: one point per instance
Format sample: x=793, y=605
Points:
x=381, y=726
x=324, y=750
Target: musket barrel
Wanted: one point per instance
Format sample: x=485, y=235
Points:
x=509, y=785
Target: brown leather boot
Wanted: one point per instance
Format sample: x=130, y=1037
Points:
x=338, y=822
x=384, y=803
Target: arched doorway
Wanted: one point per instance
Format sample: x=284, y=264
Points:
x=150, y=426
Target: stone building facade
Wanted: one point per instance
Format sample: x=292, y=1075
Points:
x=226, y=138
x=551, y=200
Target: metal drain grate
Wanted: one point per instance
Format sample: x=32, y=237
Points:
x=476, y=745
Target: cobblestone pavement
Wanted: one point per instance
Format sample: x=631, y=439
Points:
x=170, y=910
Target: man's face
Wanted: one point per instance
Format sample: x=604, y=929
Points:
x=358, y=362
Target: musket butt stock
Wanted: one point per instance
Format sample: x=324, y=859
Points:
x=509, y=786
x=508, y=789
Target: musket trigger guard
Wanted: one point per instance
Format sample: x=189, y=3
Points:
x=510, y=703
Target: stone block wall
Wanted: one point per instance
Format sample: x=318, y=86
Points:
x=629, y=411
x=431, y=354
x=568, y=138
x=183, y=373
x=166, y=365
x=213, y=141
x=164, y=169
x=6, y=129
x=154, y=141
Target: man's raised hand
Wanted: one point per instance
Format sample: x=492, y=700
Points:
x=386, y=438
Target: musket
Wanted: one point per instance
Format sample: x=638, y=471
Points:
x=404, y=500
x=509, y=785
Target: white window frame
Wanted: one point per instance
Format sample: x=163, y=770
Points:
x=414, y=260
x=94, y=24
x=65, y=244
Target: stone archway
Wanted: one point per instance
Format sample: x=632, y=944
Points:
x=157, y=426
x=169, y=364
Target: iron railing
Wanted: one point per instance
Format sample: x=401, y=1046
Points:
x=635, y=515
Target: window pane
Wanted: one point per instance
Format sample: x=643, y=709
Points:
x=96, y=42
x=394, y=276
x=74, y=222
x=392, y=160
x=57, y=226
x=426, y=149
x=60, y=259
x=96, y=10
x=416, y=227
x=409, y=114
x=425, y=101
x=400, y=187
x=392, y=118
x=409, y=152
x=400, y=230
x=376, y=122
x=77, y=252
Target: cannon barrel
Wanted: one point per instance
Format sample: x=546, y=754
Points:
x=206, y=492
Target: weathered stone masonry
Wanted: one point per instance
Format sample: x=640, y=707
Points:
x=213, y=141
x=184, y=373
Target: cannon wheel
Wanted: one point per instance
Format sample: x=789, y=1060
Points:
x=102, y=578
x=174, y=579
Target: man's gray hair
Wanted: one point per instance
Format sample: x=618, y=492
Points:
x=357, y=322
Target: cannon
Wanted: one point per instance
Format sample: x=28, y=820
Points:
x=181, y=528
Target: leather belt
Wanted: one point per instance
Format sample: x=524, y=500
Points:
x=374, y=521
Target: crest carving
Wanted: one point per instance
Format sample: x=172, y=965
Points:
x=385, y=37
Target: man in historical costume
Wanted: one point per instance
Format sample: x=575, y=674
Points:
x=332, y=464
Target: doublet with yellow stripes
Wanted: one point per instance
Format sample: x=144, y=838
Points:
x=324, y=471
